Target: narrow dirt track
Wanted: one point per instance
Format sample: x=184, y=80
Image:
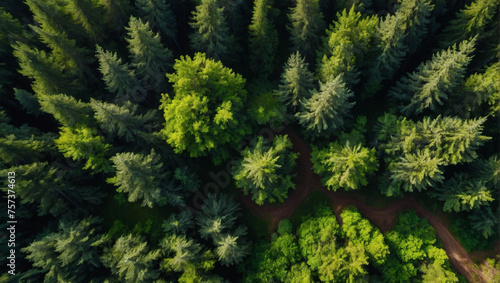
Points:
x=383, y=218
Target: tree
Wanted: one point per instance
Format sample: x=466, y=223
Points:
x=485, y=221
x=207, y=110
x=149, y=58
x=266, y=171
x=117, y=12
x=479, y=18
x=66, y=109
x=417, y=13
x=117, y=75
x=306, y=25
x=344, y=166
x=131, y=260
x=230, y=248
x=178, y=223
x=184, y=252
x=211, y=34
x=437, y=273
x=122, y=121
x=433, y=80
x=159, y=15
x=296, y=81
x=82, y=142
x=87, y=14
x=263, y=40
x=218, y=214
x=345, y=46
x=325, y=111
x=140, y=176
x=28, y=101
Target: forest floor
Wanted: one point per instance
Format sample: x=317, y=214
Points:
x=382, y=217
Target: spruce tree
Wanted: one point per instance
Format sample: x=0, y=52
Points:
x=87, y=14
x=263, y=41
x=230, y=248
x=417, y=13
x=117, y=76
x=218, y=214
x=141, y=177
x=327, y=108
x=306, y=27
x=66, y=109
x=48, y=15
x=150, y=59
x=160, y=17
x=28, y=101
x=179, y=223
x=211, y=34
x=296, y=82
x=432, y=81
x=485, y=220
x=117, y=12
x=182, y=253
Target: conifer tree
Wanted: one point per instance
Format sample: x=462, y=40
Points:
x=160, y=17
x=296, y=81
x=345, y=45
x=48, y=15
x=28, y=101
x=149, y=58
x=417, y=13
x=131, y=260
x=479, y=18
x=218, y=214
x=66, y=109
x=178, y=223
x=484, y=220
x=82, y=142
x=263, y=39
x=117, y=12
x=21, y=150
x=344, y=166
x=306, y=27
x=265, y=171
x=432, y=81
x=118, y=77
x=87, y=14
x=211, y=34
x=182, y=252
x=327, y=108
x=140, y=176
x=230, y=248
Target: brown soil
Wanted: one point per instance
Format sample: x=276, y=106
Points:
x=383, y=218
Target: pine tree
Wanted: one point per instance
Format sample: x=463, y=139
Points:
x=263, y=41
x=140, y=176
x=82, y=142
x=432, y=81
x=117, y=75
x=306, y=26
x=217, y=215
x=149, y=58
x=184, y=252
x=117, y=12
x=28, y=101
x=49, y=16
x=344, y=166
x=479, y=18
x=160, y=17
x=87, y=14
x=296, y=81
x=178, y=223
x=485, y=221
x=327, y=108
x=66, y=109
x=211, y=34
x=230, y=249
x=345, y=45
x=122, y=121
x=417, y=13
x=131, y=260
x=14, y=150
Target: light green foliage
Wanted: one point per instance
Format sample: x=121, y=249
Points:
x=327, y=108
x=434, y=80
x=481, y=88
x=122, y=121
x=344, y=166
x=178, y=223
x=306, y=26
x=211, y=34
x=66, y=109
x=230, y=248
x=206, y=112
x=346, y=44
x=478, y=18
x=140, y=176
x=284, y=227
x=28, y=101
x=217, y=215
x=159, y=15
x=82, y=142
x=263, y=40
x=117, y=76
x=436, y=273
x=183, y=252
x=70, y=254
x=296, y=81
x=149, y=58
x=130, y=259
x=360, y=232
x=299, y=273
x=266, y=171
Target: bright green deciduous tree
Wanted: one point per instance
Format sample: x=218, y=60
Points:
x=82, y=142
x=266, y=171
x=296, y=82
x=159, y=15
x=131, y=260
x=433, y=80
x=306, y=26
x=325, y=111
x=211, y=34
x=344, y=166
x=263, y=40
x=206, y=112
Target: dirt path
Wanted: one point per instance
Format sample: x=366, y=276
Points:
x=383, y=218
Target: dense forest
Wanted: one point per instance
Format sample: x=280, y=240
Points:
x=250, y=141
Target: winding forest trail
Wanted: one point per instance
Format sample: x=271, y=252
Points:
x=384, y=218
